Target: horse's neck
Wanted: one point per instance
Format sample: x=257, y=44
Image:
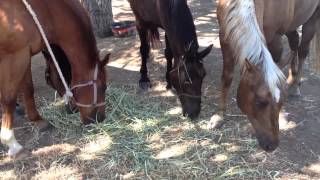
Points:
x=76, y=38
x=180, y=28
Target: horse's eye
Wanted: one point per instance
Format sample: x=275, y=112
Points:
x=262, y=103
x=48, y=80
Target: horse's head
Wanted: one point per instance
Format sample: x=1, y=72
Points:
x=52, y=75
x=89, y=95
x=262, y=108
x=187, y=79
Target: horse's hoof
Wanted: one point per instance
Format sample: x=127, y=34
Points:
x=43, y=125
x=23, y=153
x=294, y=91
x=145, y=85
x=216, y=122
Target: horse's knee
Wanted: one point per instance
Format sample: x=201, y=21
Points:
x=303, y=53
x=144, y=50
x=226, y=79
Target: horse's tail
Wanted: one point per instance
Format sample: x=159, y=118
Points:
x=241, y=29
x=154, y=37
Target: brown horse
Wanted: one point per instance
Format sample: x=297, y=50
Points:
x=247, y=29
x=187, y=73
x=67, y=26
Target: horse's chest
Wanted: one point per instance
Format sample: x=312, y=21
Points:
x=16, y=35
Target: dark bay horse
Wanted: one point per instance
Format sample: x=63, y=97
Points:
x=247, y=29
x=68, y=27
x=187, y=72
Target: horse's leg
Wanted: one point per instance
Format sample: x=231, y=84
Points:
x=216, y=120
x=7, y=134
x=12, y=72
x=308, y=32
x=144, y=81
x=28, y=96
x=169, y=57
x=294, y=41
x=276, y=48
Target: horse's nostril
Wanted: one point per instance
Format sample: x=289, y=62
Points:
x=269, y=147
x=101, y=117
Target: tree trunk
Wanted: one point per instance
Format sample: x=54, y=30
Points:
x=315, y=50
x=100, y=12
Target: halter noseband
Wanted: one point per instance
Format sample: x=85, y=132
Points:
x=182, y=63
x=95, y=91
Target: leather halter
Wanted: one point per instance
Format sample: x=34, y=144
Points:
x=182, y=63
x=92, y=83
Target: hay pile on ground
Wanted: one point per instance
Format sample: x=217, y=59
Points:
x=145, y=137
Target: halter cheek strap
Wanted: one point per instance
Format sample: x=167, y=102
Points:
x=92, y=83
x=183, y=64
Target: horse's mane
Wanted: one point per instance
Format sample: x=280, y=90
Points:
x=63, y=61
x=241, y=29
x=182, y=21
x=84, y=23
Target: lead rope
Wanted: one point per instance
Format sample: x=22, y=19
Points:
x=68, y=95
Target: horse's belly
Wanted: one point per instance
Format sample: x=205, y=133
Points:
x=304, y=9
x=282, y=16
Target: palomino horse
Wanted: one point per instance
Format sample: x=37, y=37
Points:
x=247, y=27
x=187, y=73
x=67, y=26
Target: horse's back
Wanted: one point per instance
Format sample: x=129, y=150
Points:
x=145, y=11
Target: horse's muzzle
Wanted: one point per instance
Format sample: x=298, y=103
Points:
x=94, y=118
x=267, y=144
x=191, y=108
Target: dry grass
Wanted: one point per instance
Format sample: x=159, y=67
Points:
x=143, y=139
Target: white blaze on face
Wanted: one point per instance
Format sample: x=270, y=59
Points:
x=8, y=138
x=277, y=94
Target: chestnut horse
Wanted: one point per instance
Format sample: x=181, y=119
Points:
x=67, y=26
x=187, y=73
x=247, y=27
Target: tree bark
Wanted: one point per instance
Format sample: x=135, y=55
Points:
x=100, y=12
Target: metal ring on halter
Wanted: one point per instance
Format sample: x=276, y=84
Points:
x=95, y=91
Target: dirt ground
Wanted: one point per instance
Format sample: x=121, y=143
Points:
x=298, y=156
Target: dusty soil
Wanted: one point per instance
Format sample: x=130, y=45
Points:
x=300, y=136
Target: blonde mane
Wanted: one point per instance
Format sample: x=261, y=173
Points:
x=242, y=32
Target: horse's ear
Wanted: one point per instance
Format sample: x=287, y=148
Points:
x=192, y=48
x=248, y=66
x=105, y=60
x=205, y=52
